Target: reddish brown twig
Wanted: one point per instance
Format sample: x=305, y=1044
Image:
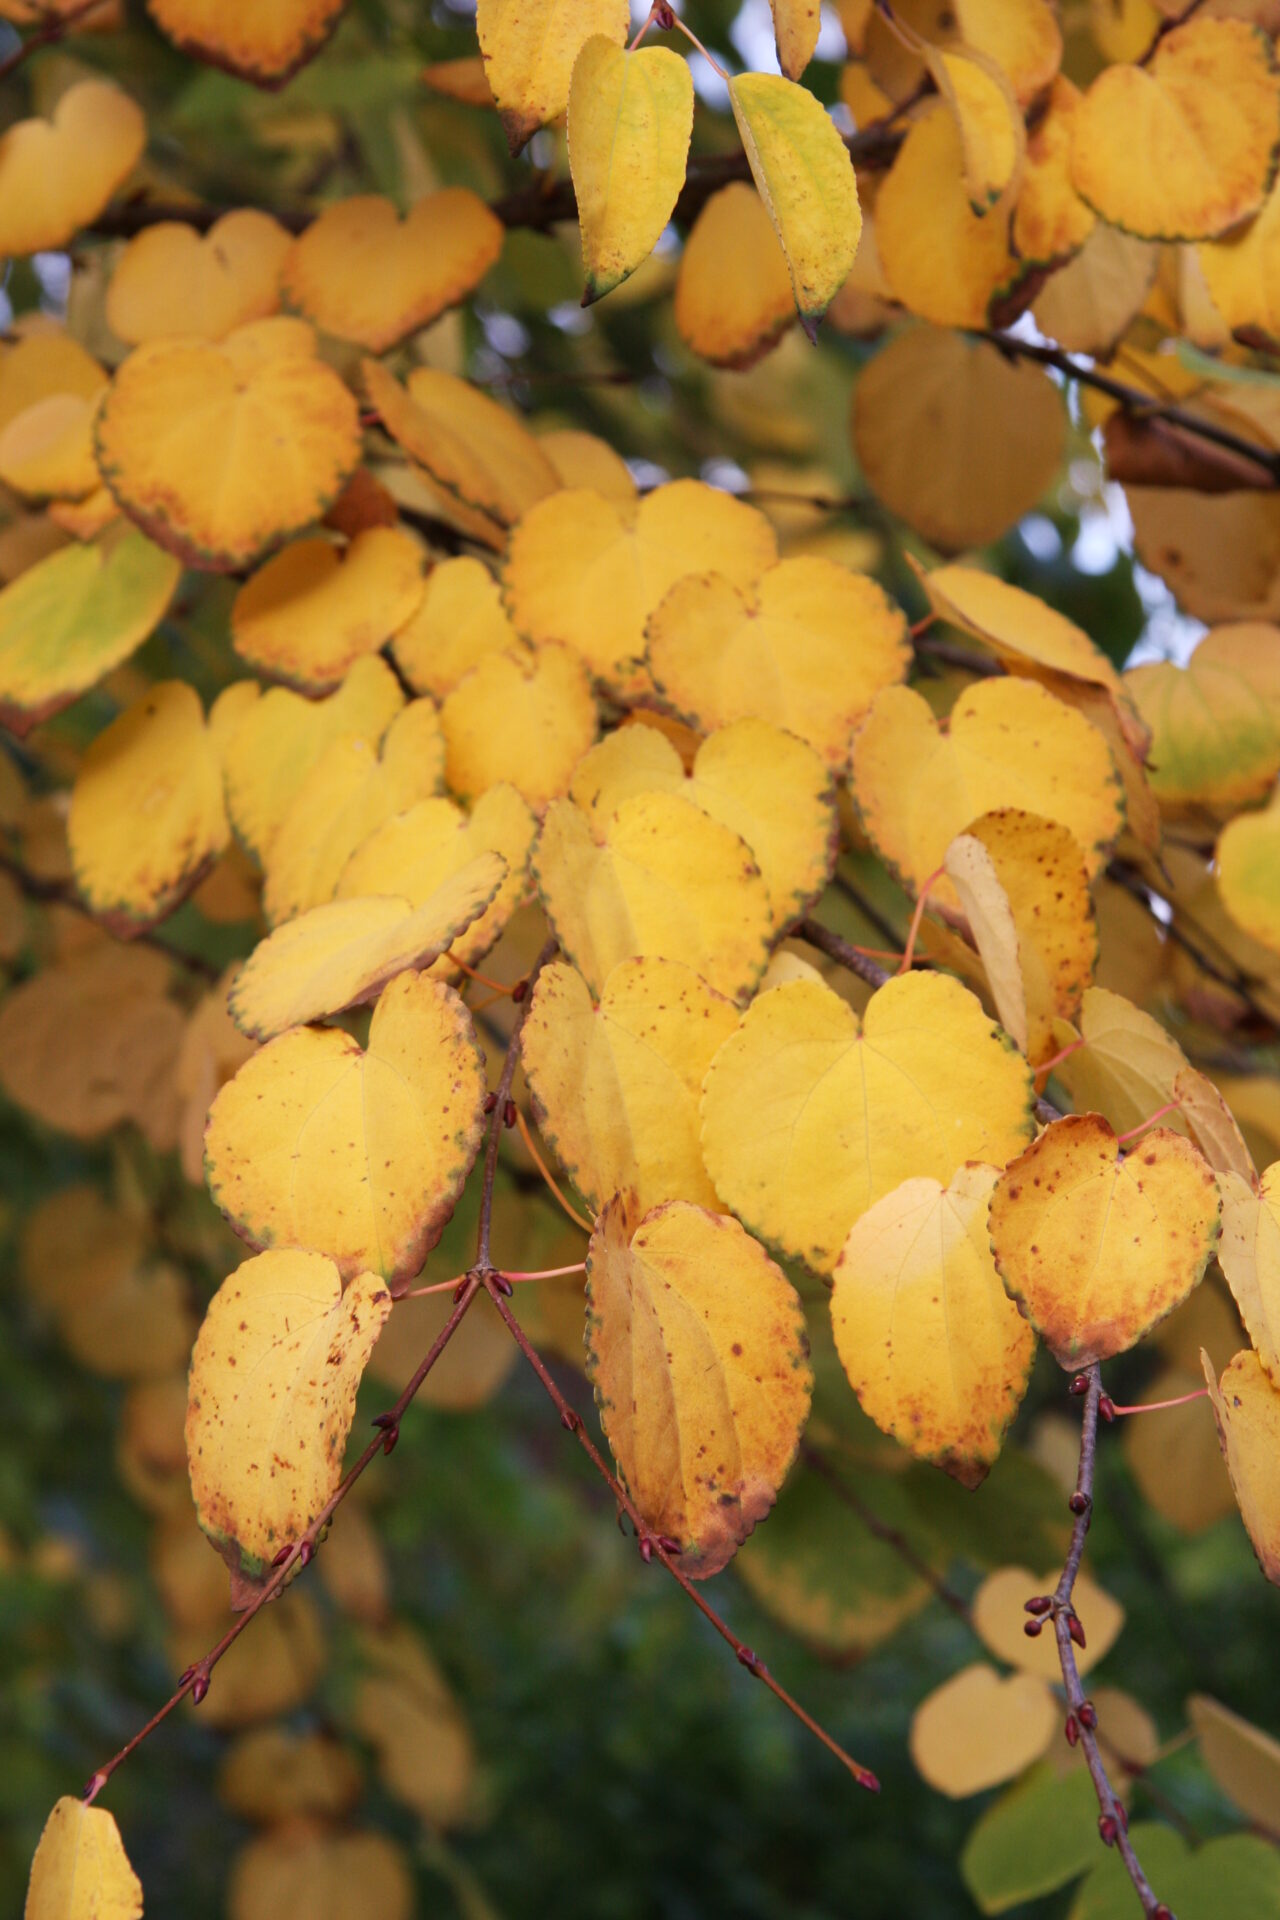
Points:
x=55, y=27
x=653, y=1547
x=889, y=1536
x=1082, y=1719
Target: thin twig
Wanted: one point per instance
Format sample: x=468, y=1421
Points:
x=652, y=1546
x=1113, y=1821
x=195, y=1680
x=889, y=1536
x=55, y=27
x=843, y=952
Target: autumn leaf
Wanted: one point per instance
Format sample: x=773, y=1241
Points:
x=81, y=1870
x=630, y=118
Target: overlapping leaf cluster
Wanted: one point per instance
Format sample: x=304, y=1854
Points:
x=325, y=652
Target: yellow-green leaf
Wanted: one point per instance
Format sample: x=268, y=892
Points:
x=697, y=1350
x=805, y=176
x=358, y=1154
x=630, y=118
x=81, y=1870
x=271, y=1397
x=1250, y=1258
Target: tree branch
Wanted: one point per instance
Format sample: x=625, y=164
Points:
x=843, y=952
x=1082, y=1720
x=653, y=1546
x=54, y=27
x=195, y=1681
x=890, y=1537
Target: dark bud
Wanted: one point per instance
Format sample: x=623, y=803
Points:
x=751, y=1661
x=667, y=1544
x=1033, y=1628
x=1071, y=1730
x=199, y=1689
x=390, y=1439
x=384, y=1420
x=1075, y=1629
x=1108, y=1828
x=519, y=991
x=187, y=1673
x=1079, y=1503
x=490, y=1102
x=1088, y=1715
x=664, y=17
x=500, y=1284
x=306, y=1552
x=1106, y=1407
x=570, y=1421
x=461, y=1288
x=509, y=1114
x=1039, y=1603
x=1161, y=1912
x=1080, y=1384
x=646, y=1548
x=287, y=1549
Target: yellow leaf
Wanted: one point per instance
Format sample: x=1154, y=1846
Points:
x=219, y=451
x=46, y=452
x=630, y=118
x=1246, y=1408
x=1211, y=1125
x=271, y=744
x=1242, y=1759
x=1009, y=743
x=307, y=615
x=1241, y=271
x=1021, y=37
x=462, y=79
x=1184, y=147
x=808, y=1120
x=697, y=1350
x=70, y=618
x=1124, y=29
x=271, y=1775
x=459, y=622
x=472, y=1367
x=589, y=571
x=1000, y=1616
x=585, y=460
x=122, y=1314
x=992, y=136
x=356, y=1153
x=954, y=439
x=93, y=1041
x=362, y=273
x=807, y=646
x=1215, y=723
x=733, y=298
x=414, y=852
x=271, y=1398
x=262, y=44
x=1248, y=863
x=343, y=953
x=935, y=1350
x=267, y=1672
x=348, y=1874
x=404, y=1709
x=616, y=1085
x=529, y=54
x=1050, y=221
x=795, y=31
x=1023, y=885
x=151, y=1453
x=171, y=281
x=762, y=783
x=940, y=258
x=1096, y=1246
x=519, y=717
x=147, y=818
x=41, y=365
x=1175, y=1460
x=57, y=175
x=348, y=794
x=980, y=1728
x=1127, y=1066
x=478, y=452
x=1250, y=1257
x=81, y=1870
x=665, y=879
x=806, y=180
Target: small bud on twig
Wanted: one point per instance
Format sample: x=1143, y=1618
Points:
x=519, y=991
x=1088, y=1715
x=1079, y=1503
x=1071, y=1730
x=1106, y=1407
x=1079, y=1385
x=509, y=1114
x=1033, y=1628
x=1075, y=1629
x=490, y=1102
x=1039, y=1603
x=199, y=1688
x=1108, y=1829
x=287, y=1548
x=570, y=1421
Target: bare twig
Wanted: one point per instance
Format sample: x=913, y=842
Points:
x=652, y=1546
x=843, y=952
x=1082, y=1720
x=55, y=27
x=889, y=1536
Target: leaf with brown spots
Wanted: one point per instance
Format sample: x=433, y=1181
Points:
x=1096, y=1246
x=697, y=1349
x=271, y=1397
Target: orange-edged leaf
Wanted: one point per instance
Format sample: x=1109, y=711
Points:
x=171, y=280
x=474, y=449
x=697, y=1350
x=262, y=44
x=460, y=621
x=309, y=613
x=1098, y=1246
x=519, y=717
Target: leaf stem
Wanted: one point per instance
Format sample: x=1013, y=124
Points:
x=1159, y=1406
x=545, y=1171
